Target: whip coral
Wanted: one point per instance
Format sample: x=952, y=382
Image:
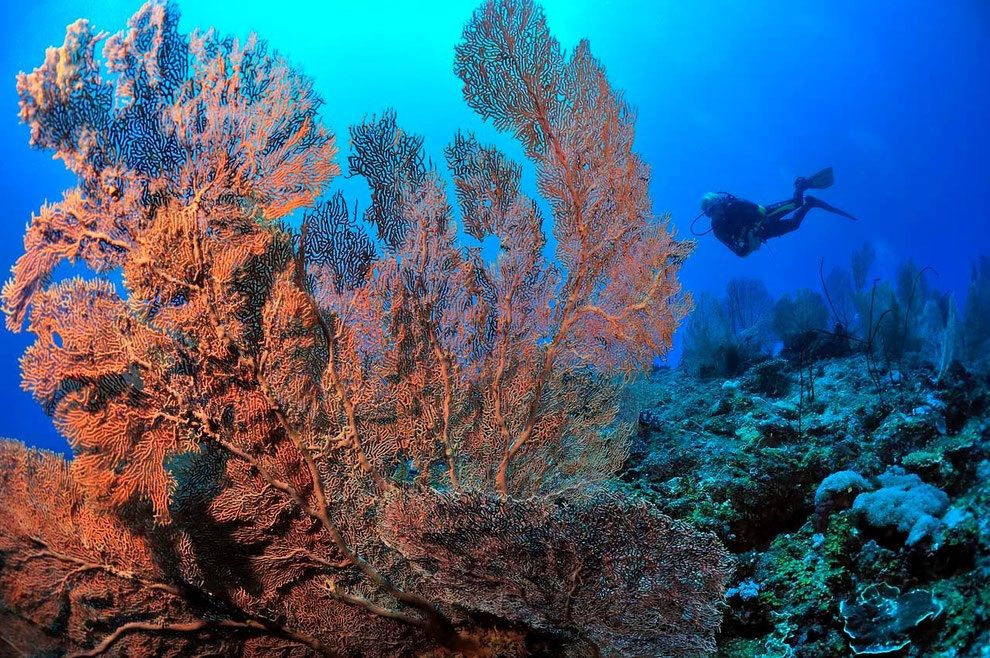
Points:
x=320, y=441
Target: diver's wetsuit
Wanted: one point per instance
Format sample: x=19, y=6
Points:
x=743, y=226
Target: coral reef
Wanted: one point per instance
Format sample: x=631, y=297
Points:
x=319, y=441
x=975, y=334
x=726, y=335
x=903, y=503
x=879, y=621
x=298, y=431
x=837, y=506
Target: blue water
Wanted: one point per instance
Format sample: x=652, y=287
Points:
x=733, y=96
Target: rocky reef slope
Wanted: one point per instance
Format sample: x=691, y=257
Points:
x=856, y=504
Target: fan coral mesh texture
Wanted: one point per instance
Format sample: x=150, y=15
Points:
x=304, y=442
x=610, y=573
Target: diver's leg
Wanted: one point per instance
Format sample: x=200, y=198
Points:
x=796, y=202
x=777, y=210
x=798, y=216
x=778, y=227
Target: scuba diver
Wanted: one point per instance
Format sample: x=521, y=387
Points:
x=743, y=226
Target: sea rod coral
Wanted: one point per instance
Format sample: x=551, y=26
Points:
x=320, y=441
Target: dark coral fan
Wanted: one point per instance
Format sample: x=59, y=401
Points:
x=621, y=575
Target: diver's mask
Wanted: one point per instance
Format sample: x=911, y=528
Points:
x=712, y=202
x=711, y=206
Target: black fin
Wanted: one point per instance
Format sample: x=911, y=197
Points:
x=821, y=180
x=818, y=203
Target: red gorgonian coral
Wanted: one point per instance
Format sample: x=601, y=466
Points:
x=327, y=442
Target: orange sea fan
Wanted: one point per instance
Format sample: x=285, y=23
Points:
x=308, y=441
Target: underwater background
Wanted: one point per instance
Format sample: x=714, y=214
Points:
x=740, y=97
x=843, y=462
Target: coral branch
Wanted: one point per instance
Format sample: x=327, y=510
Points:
x=250, y=626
